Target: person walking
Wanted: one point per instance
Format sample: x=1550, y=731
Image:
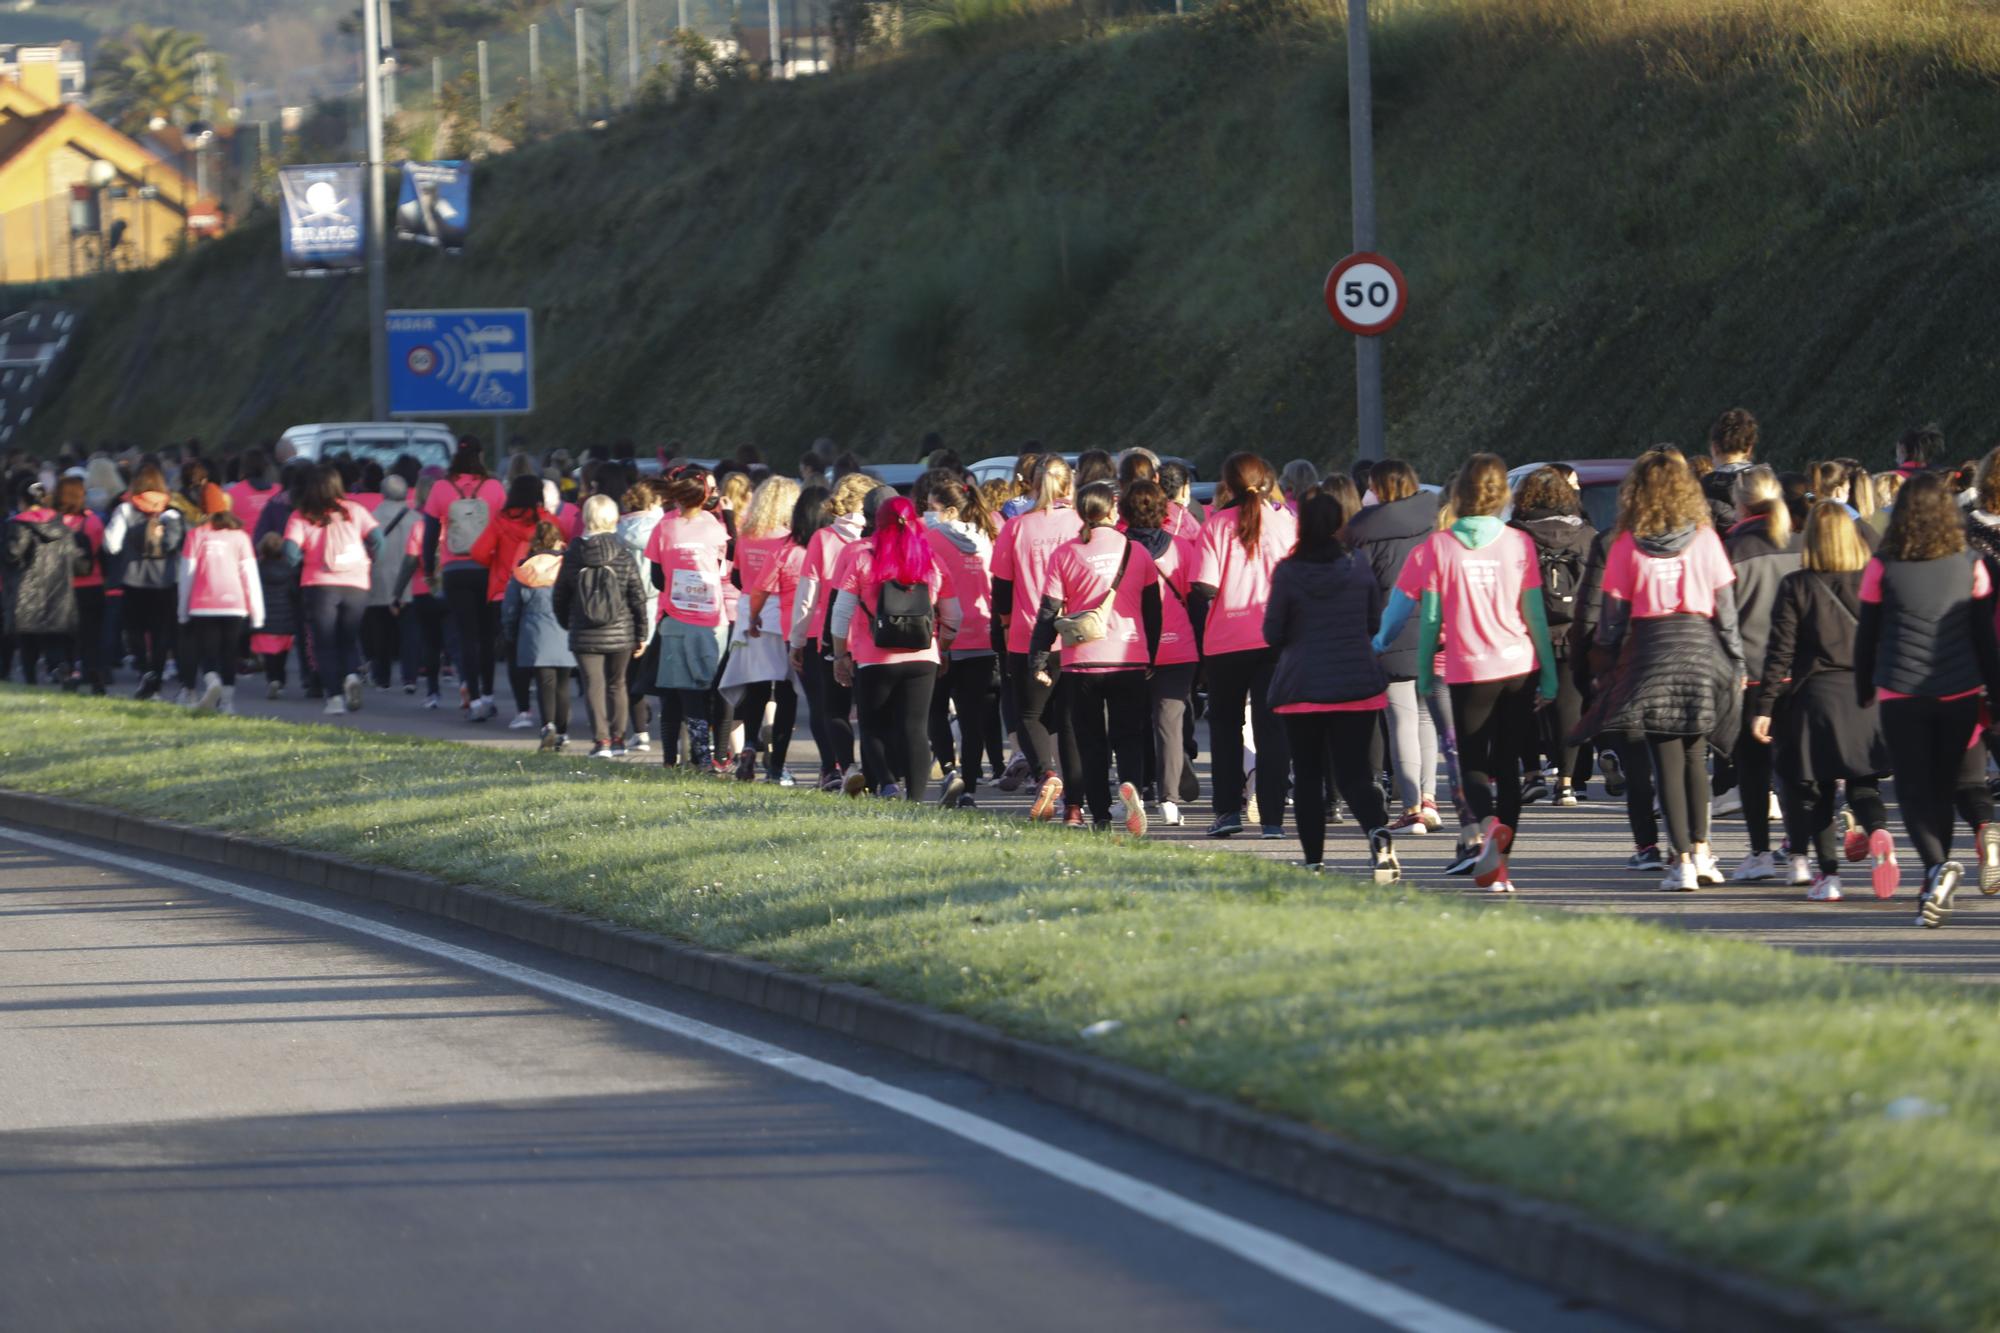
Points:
x=601, y=600
x=332, y=541
x=1476, y=589
x=500, y=548
x=1763, y=549
x=143, y=537
x=536, y=640
x=1924, y=598
x=1021, y=558
x=1384, y=533
x=1170, y=688
x=462, y=506
x=221, y=597
x=383, y=627
x=766, y=561
x=689, y=553
x=72, y=507
x=830, y=702
x=42, y=557
x=1670, y=657
x=1328, y=684
x=1548, y=508
x=641, y=507
x=961, y=534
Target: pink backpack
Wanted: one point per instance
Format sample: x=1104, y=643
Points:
x=341, y=551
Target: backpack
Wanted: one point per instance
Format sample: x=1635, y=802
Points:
x=1562, y=580
x=464, y=519
x=904, y=617
x=596, y=605
x=340, y=549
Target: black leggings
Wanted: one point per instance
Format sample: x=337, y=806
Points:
x=1046, y=737
x=149, y=625
x=693, y=707
x=750, y=712
x=1495, y=721
x=333, y=617
x=552, y=696
x=1108, y=713
x=1809, y=809
x=1928, y=739
x=1637, y=762
x=1753, y=779
x=1234, y=678
x=1342, y=738
x=89, y=663
x=1557, y=722
x=972, y=686
x=429, y=612
x=894, y=703
x=604, y=697
x=1680, y=765
x=477, y=623
x=208, y=643
x=831, y=703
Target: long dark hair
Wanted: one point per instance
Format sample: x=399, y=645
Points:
x=469, y=460
x=1250, y=481
x=951, y=490
x=1925, y=524
x=1097, y=506
x=810, y=514
x=320, y=494
x=1322, y=518
x=524, y=495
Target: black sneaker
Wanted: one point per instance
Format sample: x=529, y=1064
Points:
x=551, y=742
x=1273, y=833
x=149, y=685
x=1534, y=789
x=1934, y=906
x=1613, y=770
x=746, y=766
x=954, y=790
x=966, y=802
x=1226, y=826
x=1646, y=858
x=1463, y=859
x=1382, y=851
x=1333, y=816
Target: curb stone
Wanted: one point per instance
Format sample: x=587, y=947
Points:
x=1546, y=1243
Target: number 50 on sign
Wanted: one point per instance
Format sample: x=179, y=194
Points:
x=1365, y=294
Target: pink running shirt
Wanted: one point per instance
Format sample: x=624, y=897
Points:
x=1479, y=600
x=1079, y=574
x=1175, y=566
x=1241, y=579
x=1022, y=555
x=971, y=578
x=822, y=564
x=310, y=538
x=857, y=577
x=693, y=556
x=1682, y=584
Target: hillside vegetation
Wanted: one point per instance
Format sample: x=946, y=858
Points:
x=1617, y=217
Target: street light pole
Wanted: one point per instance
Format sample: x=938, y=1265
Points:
x=378, y=260
x=1361, y=152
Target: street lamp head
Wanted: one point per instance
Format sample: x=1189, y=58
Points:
x=100, y=174
x=199, y=133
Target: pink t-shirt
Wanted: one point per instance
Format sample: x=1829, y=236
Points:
x=369, y=500
x=92, y=528
x=1241, y=579
x=1181, y=523
x=311, y=539
x=247, y=503
x=822, y=564
x=857, y=578
x=461, y=488
x=1681, y=584
x=1022, y=556
x=219, y=575
x=780, y=575
x=1871, y=591
x=1079, y=574
x=1479, y=600
x=693, y=556
x=1175, y=566
x=971, y=577
x=754, y=556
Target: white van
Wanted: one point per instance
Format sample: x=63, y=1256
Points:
x=382, y=442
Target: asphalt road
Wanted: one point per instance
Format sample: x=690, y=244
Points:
x=218, y=1114
x=1570, y=858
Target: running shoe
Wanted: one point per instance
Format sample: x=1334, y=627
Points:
x=1613, y=770
x=522, y=721
x=551, y=741
x=746, y=766
x=783, y=777
x=211, y=692
x=1073, y=818
x=1887, y=876
x=1016, y=774
x=1429, y=810
x=1853, y=838
x=1825, y=889
x=272, y=689
x=1565, y=795
x=831, y=780
x=1681, y=877
x=1934, y=908
x=618, y=750
x=149, y=686
x=954, y=787
x=1135, y=809
x=642, y=743
x=353, y=690
x=1047, y=797
x=1728, y=803
x=1226, y=826
x=1502, y=885
x=600, y=752
x=1382, y=855
x=335, y=706
x=1705, y=868
x=1170, y=815
x=1534, y=789
x=1802, y=871
x=854, y=783
x=1646, y=858
x=891, y=791
x=1311, y=867
x=1755, y=868
x=1272, y=832
x=1463, y=858
x=1411, y=821
x=430, y=700
x=1492, y=863
x=1989, y=858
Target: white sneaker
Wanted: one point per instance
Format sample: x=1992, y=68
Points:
x=641, y=743
x=1754, y=868
x=479, y=710
x=1729, y=803
x=522, y=722
x=1680, y=877
x=227, y=707
x=1802, y=873
x=1777, y=811
x=352, y=691
x=1170, y=815
x=1706, y=871
x=335, y=706
x=1825, y=889
x=211, y=691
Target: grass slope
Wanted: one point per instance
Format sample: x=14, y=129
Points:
x=1729, y=1097
x=1617, y=217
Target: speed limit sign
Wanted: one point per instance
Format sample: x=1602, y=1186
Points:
x=1365, y=294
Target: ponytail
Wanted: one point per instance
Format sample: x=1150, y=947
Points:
x=1761, y=495
x=1250, y=482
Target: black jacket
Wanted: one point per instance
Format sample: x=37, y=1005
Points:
x=1819, y=731
x=1761, y=564
x=41, y=557
x=1320, y=617
x=622, y=635
x=1561, y=534
x=1719, y=489
x=1384, y=535
x=280, y=579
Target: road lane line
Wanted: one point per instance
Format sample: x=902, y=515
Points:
x=1275, y=1254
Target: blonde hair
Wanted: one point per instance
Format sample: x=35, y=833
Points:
x=736, y=491
x=849, y=492
x=1759, y=494
x=770, y=510
x=1886, y=486
x=1833, y=542
x=1480, y=488
x=1052, y=482
x=1660, y=495
x=600, y=514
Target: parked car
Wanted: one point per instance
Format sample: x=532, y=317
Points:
x=1600, y=478
x=383, y=442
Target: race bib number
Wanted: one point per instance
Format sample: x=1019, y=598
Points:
x=692, y=593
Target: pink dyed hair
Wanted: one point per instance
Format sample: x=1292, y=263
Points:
x=902, y=552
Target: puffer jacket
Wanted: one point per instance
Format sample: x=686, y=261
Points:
x=41, y=556
x=1322, y=613
x=604, y=550
x=280, y=580
x=1384, y=535
x=145, y=541
x=528, y=616
x=1761, y=565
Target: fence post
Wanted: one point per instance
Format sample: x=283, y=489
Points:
x=485, y=106
x=582, y=68
x=631, y=50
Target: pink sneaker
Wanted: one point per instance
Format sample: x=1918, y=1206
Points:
x=1888, y=876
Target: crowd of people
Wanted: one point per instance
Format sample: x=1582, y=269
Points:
x=1781, y=641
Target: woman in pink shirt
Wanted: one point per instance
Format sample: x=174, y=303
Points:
x=1020, y=579
x=826, y=535
x=1106, y=573
x=892, y=613
x=1170, y=689
x=221, y=599
x=764, y=551
x=72, y=507
x=961, y=535
x=1240, y=545
x=1667, y=638
x=248, y=497
x=331, y=540
x=689, y=553
x=461, y=506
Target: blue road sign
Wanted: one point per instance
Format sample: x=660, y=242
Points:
x=461, y=363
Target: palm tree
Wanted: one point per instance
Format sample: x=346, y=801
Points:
x=149, y=74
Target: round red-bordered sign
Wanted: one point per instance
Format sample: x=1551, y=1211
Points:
x=1366, y=294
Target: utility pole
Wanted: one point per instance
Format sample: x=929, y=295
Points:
x=378, y=259
x=777, y=60
x=631, y=50
x=1361, y=151
x=582, y=68
x=485, y=107
x=535, y=59
x=437, y=105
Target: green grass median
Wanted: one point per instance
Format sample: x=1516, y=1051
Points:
x=1830, y=1126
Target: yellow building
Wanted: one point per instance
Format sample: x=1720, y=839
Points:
x=47, y=149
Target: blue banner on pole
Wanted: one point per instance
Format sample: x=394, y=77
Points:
x=322, y=219
x=435, y=206
x=461, y=362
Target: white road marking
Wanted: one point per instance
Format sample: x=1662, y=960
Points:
x=1269, y=1251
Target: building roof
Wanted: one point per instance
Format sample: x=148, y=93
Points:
x=21, y=129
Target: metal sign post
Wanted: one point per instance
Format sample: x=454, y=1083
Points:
x=378, y=261
x=1361, y=151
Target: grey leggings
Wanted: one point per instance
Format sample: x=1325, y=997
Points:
x=1413, y=745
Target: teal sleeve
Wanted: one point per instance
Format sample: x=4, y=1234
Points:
x=1394, y=616
x=1538, y=629
x=1430, y=621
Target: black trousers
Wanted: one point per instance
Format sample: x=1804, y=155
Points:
x=1340, y=739
x=89, y=660
x=1637, y=761
x=1680, y=766
x=430, y=614
x=381, y=643
x=605, y=701
x=333, y=615
x=477, y=623
x=552, y=695
x=1809, y=810
x=750, y=712
x=894, y=703
x=831, y=704
x=1495, y=720
x=1928, y=739
x=1169, y=692
x=1557, y=721
x=149, y=626
x=972, y=686
x=1046, y=737
x=639, y=688
x=1233, y=679
x=1753, y=779
x=1108, y=711
x=208, y=643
